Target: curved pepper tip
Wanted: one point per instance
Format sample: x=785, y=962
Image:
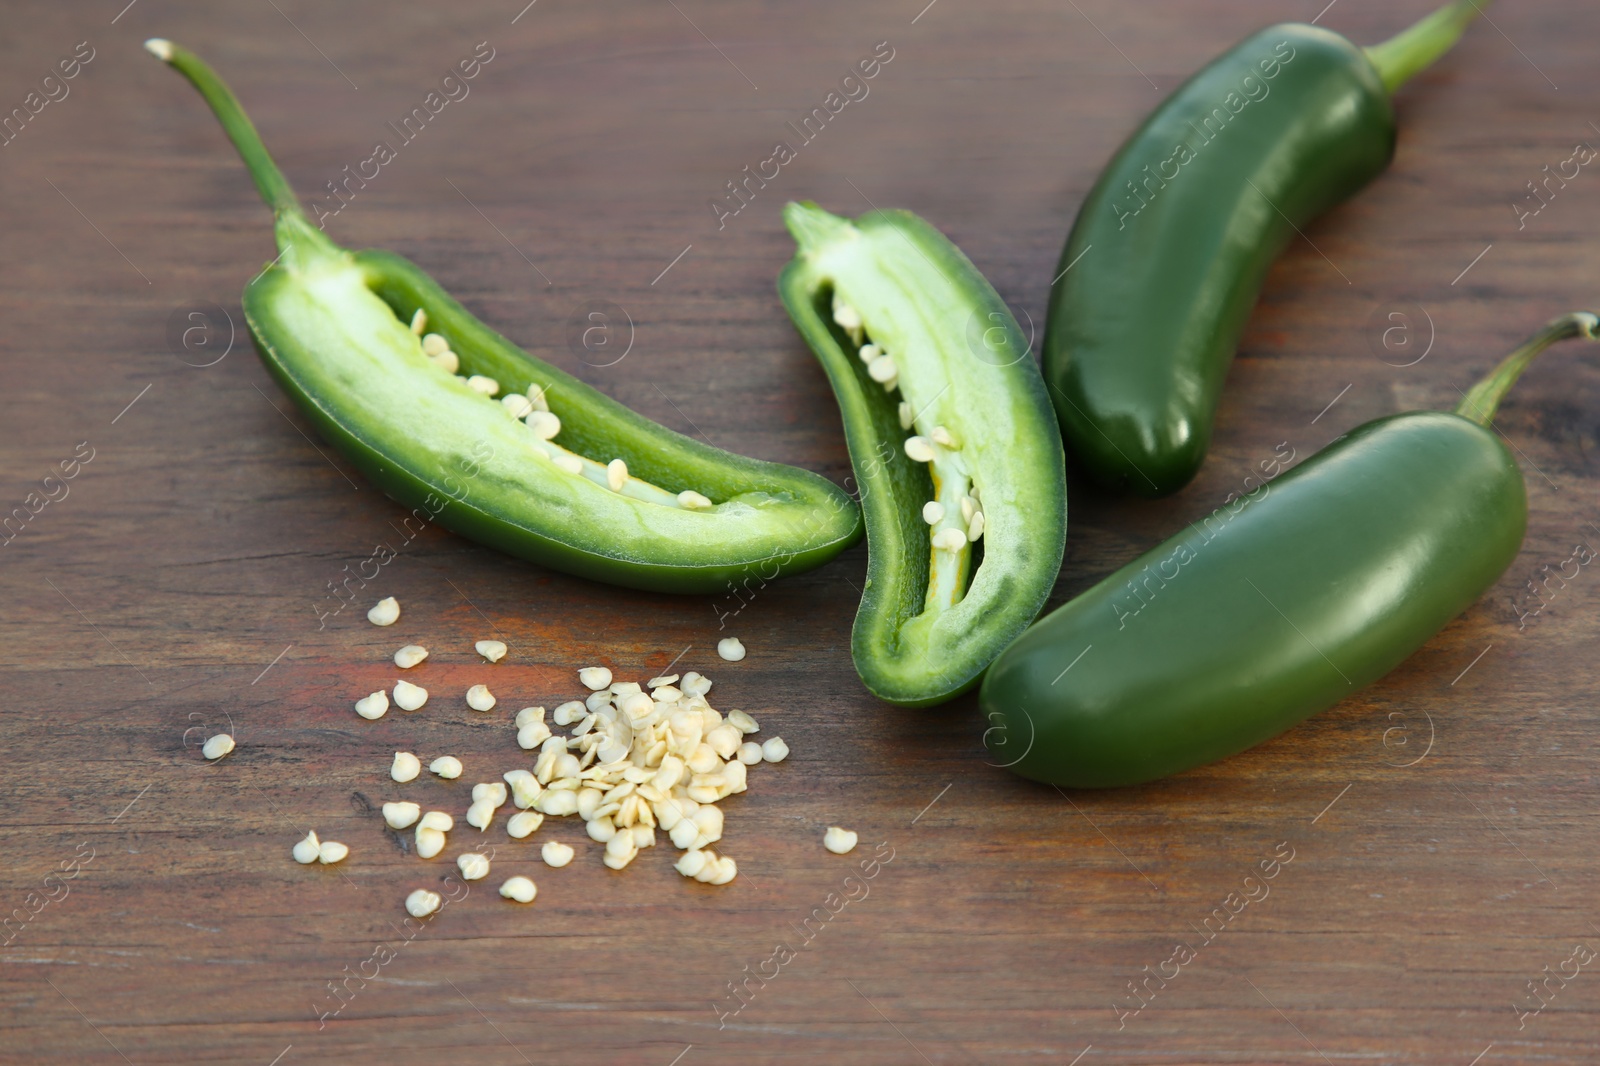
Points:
x=159, y=47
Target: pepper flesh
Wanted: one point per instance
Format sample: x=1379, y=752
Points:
x=332, y=328
x=931, y=620
x=1318, y=583
x=1170, y=249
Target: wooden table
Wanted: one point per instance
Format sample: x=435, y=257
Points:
x=1441, y=824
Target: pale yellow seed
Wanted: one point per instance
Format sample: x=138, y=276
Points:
x=691, y=500
x=406, y=767
x=545, y=425
x=749, y=753
x=331, y=851
x=594, y=678
x=839, y=841
x=882, y=370
x=479, y=698
x=556, y=853
x=486, y=385
x=306, y=851
x=950, y=540
x=919, y=449
x=933, y=512
x=409, y=697
x=616, y=475
x=869, y=352
x=570, y=463
x=975, y=527
x=519, y=889
x=537, y=397
x=775, y=750
x=216, y=747
x=422, y=903
x=731, y=649
x=446, y=766
x=906, y=417
x=410, y=656
x=373, y=706
x=517, y=405
x=473, y=867
x=523, y=823
x=438, y=821
x=943, y=437
x=433, y=344
x=419, y=322
x=401, y=815
x=447, y=361
x=493, y=650
x=386, y=612
x=429, y=842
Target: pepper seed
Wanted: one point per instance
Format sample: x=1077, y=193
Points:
x=950, y=540
x=433, y=344
x=839, y=841
x=401, y=815
x=479, y=698
x=556, y=853
x=933, y=512
x=944, y=437
x=446, y=766
x=409, y=697
x=422, y=903
x=331, y=851
x=419, y=321
x=775, y=750
x=520, y=889
x=975, y=527
x=594, y=679
x=691, y=500
x=305, y=851
x=493, y=650
x=545, y=424
x=409, y=656
x=447, y=361
x=374, y=706
x=616, y=474
x=406, y=767
x=385, y=612
x=486, y=385
x=906, y=417
x=216, y=747
x=882, y=370
x=731, y=649
x=517, y=405
x=919, y=449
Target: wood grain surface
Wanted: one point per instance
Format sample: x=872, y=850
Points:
x=1441, y=824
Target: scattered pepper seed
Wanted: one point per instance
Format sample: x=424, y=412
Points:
x=406, y=767
x=731, y=649
x=446, y=766
x=493, y=650
x=409, y=697
x=839, y=841
x=556, y=853
x=386, y=612
x=331, y=851
x=520, y=889
x=743, y=722
x=439, y=821
x=749, y=753
x=775, y=750
x=373, y=706
x=594, y=678
x=216, y=747
x=402, y=814
x=480, y=814
x=305, y=851
x=473, y=867
x=479, y=698
x=429, y=842
x=409, y=656
x=523, y=823
x=422, y=903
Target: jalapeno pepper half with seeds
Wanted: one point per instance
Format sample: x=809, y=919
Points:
x=1268, y=610
x=585, y=486
x=959, y=460
x=1173, y=243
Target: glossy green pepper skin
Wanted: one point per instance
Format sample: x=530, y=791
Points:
x=332, y=327
x=1171, y=246
x=1272, y=608
x=931, y=619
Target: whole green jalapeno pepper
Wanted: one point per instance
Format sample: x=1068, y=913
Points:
x=1173, y=243
x=958, y=458
x=1273, y=607
x=553, y=470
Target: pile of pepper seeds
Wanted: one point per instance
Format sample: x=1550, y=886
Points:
x=637, y=758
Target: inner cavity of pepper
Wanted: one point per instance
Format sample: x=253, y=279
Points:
x=954, y=516
x=533, y=409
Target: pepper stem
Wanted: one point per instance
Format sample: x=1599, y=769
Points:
x=1483, y=399
x=293, y=225
x=1409, y=53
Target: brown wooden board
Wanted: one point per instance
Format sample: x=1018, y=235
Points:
x=1442, y=823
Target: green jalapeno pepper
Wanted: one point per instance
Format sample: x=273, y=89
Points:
x=1173, y=243
x=959, y=461
x=553, y=471
x=1274, y=607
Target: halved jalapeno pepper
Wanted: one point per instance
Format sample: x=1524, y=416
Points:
x=958, y=456
x=402, y=379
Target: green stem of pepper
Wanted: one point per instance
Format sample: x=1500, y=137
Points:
x=1483, y=399
x=1407, y=54
x=294, y=232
